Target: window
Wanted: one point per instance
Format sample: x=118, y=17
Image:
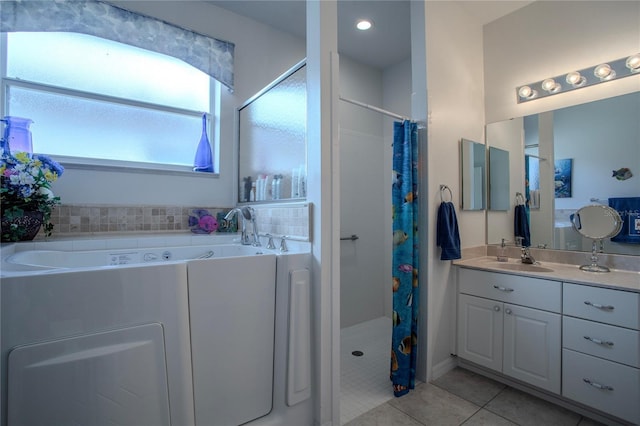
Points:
x=100, y=102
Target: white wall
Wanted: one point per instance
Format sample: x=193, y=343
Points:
x=363, y=287
x=549, y=38
x=261, y=55
x=455, y=102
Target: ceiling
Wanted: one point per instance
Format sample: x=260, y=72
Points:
x=387, y=43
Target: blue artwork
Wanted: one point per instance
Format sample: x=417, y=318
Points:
x=562, y=178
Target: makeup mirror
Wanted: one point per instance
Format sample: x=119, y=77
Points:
x=596, y=222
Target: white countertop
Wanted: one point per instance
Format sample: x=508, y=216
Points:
x=617, y=279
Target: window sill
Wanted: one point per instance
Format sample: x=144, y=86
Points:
x=78, y=163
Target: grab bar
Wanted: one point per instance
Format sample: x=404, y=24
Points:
x=207, y=255
x=353, y=237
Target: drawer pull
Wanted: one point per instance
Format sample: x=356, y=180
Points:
x=599, y=306
x=508, y=290
x=598, y=385
x=598, y=341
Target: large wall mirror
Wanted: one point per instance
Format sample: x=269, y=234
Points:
x=576, y=156
x=272, y=128
x=473, y=175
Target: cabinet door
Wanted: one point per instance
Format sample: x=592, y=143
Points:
x=532, y=342
x=480, y=331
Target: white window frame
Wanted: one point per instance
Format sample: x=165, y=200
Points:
x=120, y=165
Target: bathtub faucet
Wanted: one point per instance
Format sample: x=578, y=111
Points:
x=245, y=214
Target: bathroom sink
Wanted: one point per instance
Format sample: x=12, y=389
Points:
x=523, y=267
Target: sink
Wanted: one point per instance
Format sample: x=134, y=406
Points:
x=522, y=267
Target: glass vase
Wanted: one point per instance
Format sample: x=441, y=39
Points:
x=17, y=136
x=204, y=157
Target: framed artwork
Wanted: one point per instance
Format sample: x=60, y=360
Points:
x=562, y=180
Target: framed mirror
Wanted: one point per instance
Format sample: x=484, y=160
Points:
x=272, y=127
x=499, y=197
x=473, y=160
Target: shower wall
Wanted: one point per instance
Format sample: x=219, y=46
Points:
x=365, y=193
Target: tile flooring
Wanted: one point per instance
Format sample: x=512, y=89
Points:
x=460, y=397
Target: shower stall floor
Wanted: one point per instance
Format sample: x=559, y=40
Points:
x=364, y=380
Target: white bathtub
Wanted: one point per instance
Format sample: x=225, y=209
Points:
x=195, y=334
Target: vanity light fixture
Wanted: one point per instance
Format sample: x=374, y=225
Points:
x=606, y=71
x=364, y=24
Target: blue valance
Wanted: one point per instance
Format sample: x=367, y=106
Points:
x=212, y=56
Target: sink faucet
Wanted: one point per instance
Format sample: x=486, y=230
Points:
x=525, y=256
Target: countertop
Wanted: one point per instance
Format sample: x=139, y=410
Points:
x=617, y=279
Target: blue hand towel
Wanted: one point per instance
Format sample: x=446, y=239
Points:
x=448, y=235
x=629, y=210
x=521, y=225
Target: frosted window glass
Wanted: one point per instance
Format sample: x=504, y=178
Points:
x=273, y=131
x=97, y=65
x=65, y=125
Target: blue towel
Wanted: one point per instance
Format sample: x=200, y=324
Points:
x=448, y=235
x=521, y=225
x=629, y=210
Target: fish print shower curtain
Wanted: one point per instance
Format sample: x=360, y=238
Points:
x=405, y=257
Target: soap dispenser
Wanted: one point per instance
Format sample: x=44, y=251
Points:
x=502, y=252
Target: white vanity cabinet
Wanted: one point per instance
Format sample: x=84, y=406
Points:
x=511, y=324
x=601, y=349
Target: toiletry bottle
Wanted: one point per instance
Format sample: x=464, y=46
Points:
x=295, y=173
x=502, y=252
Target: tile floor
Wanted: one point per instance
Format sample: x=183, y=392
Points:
x=460, y=397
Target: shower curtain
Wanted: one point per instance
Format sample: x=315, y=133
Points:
x=405, y=256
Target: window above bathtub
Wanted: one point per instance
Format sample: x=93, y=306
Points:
x=97, y=101
x=101, y=103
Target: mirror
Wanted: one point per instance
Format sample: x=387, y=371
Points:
x=473, y=174
x=499, y=198
x=272, y=127
x=578, y=155
x=596, y=222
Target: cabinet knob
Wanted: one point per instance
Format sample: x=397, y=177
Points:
x=508, y=311
x=599, y=306
x=496, y=308
x=506, y=289
x=597, y=385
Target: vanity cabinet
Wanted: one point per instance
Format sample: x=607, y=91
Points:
x=511, y=324
x=601, y=345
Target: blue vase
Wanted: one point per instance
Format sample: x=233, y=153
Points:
x=204, y=156
x=17, y=136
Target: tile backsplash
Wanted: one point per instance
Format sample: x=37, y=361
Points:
x=84, y=220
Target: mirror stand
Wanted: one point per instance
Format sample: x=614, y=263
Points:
x=594, y=267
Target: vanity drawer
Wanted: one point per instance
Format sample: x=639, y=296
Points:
x=605, y=305
x=519, y=290
x=604, y=385
x=605, y=341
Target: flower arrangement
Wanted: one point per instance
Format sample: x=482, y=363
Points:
x=26, y=187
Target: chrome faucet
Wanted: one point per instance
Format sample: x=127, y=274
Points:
x=244, y=238
x=525, y=256
x=249, y=213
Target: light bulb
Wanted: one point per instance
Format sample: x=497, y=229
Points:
x=526, y=92
x=633, y=62
x=363, y=24
x=550, y=85
x=604, y=72
x=575, y=79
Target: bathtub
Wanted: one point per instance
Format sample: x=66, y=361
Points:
x=155, y=332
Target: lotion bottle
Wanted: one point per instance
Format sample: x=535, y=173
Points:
x=502, y=252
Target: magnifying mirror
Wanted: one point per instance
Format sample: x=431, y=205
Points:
x=597, y=222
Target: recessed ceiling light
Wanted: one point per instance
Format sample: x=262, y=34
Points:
x=363, y=24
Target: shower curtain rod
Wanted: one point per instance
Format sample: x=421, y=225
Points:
x=375, y=108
